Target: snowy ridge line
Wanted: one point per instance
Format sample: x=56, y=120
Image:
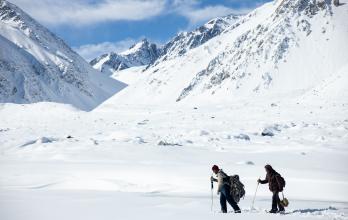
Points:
x=140, y=54
x=144, y=53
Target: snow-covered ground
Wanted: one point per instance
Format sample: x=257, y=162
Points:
x=153, y=162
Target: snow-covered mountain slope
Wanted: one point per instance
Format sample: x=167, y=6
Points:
x=145, y=53
x=282, y=48
x=35, y=66
x=140, y=54
x=186, y=41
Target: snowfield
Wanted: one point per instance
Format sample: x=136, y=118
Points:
x=153, y=162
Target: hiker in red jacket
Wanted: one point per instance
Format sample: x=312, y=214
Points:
x=276, y=184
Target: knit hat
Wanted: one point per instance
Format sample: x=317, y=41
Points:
x=269, y=168
x=215, y=167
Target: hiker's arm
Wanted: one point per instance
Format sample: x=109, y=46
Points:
x=262, y=181
x=213, y=179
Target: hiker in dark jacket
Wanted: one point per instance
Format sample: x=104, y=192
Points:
x=272, y=178
x=224, y=190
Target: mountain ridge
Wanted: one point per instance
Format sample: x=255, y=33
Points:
x=150, y=54
x=139, y=54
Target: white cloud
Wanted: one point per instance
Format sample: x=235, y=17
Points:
x=195, y=14
x=204, y=14
x=88, y=12
x=91, y=51
x=83, y=12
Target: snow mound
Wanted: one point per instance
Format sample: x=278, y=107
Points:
x=246, y=163
x=167, y=143
x=242, y=137
x=41, y=140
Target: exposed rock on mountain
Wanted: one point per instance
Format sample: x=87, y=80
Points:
x=142, y=53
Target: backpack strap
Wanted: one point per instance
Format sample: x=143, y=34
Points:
x=225, y=178
x=223, y=173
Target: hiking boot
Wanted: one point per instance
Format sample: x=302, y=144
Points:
x=281, y=210
x=273, y=211
x=237, y=211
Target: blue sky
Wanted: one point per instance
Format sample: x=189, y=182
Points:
x=93, y=27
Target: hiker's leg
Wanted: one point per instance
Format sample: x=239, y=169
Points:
x=280, y=206
x=223, y=203
x=275, y=199
x=226, y=191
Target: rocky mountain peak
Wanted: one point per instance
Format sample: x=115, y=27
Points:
x=139, y=54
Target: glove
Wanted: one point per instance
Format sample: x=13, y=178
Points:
x=259, y=181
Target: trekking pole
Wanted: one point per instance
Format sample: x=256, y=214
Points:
x=212, y=197
x=257, y=186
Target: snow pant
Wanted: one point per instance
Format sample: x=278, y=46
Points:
x=276, y=202
x=226, y=196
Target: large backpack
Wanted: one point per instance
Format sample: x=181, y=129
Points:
x=281, y=182
x=237, y=188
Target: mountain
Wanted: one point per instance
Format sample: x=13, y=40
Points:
x=142, y=53
x=285, y=48
x=186, y=41
x=35, y=66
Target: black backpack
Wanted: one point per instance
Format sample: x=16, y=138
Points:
x=237, y=188
x=281, y=182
